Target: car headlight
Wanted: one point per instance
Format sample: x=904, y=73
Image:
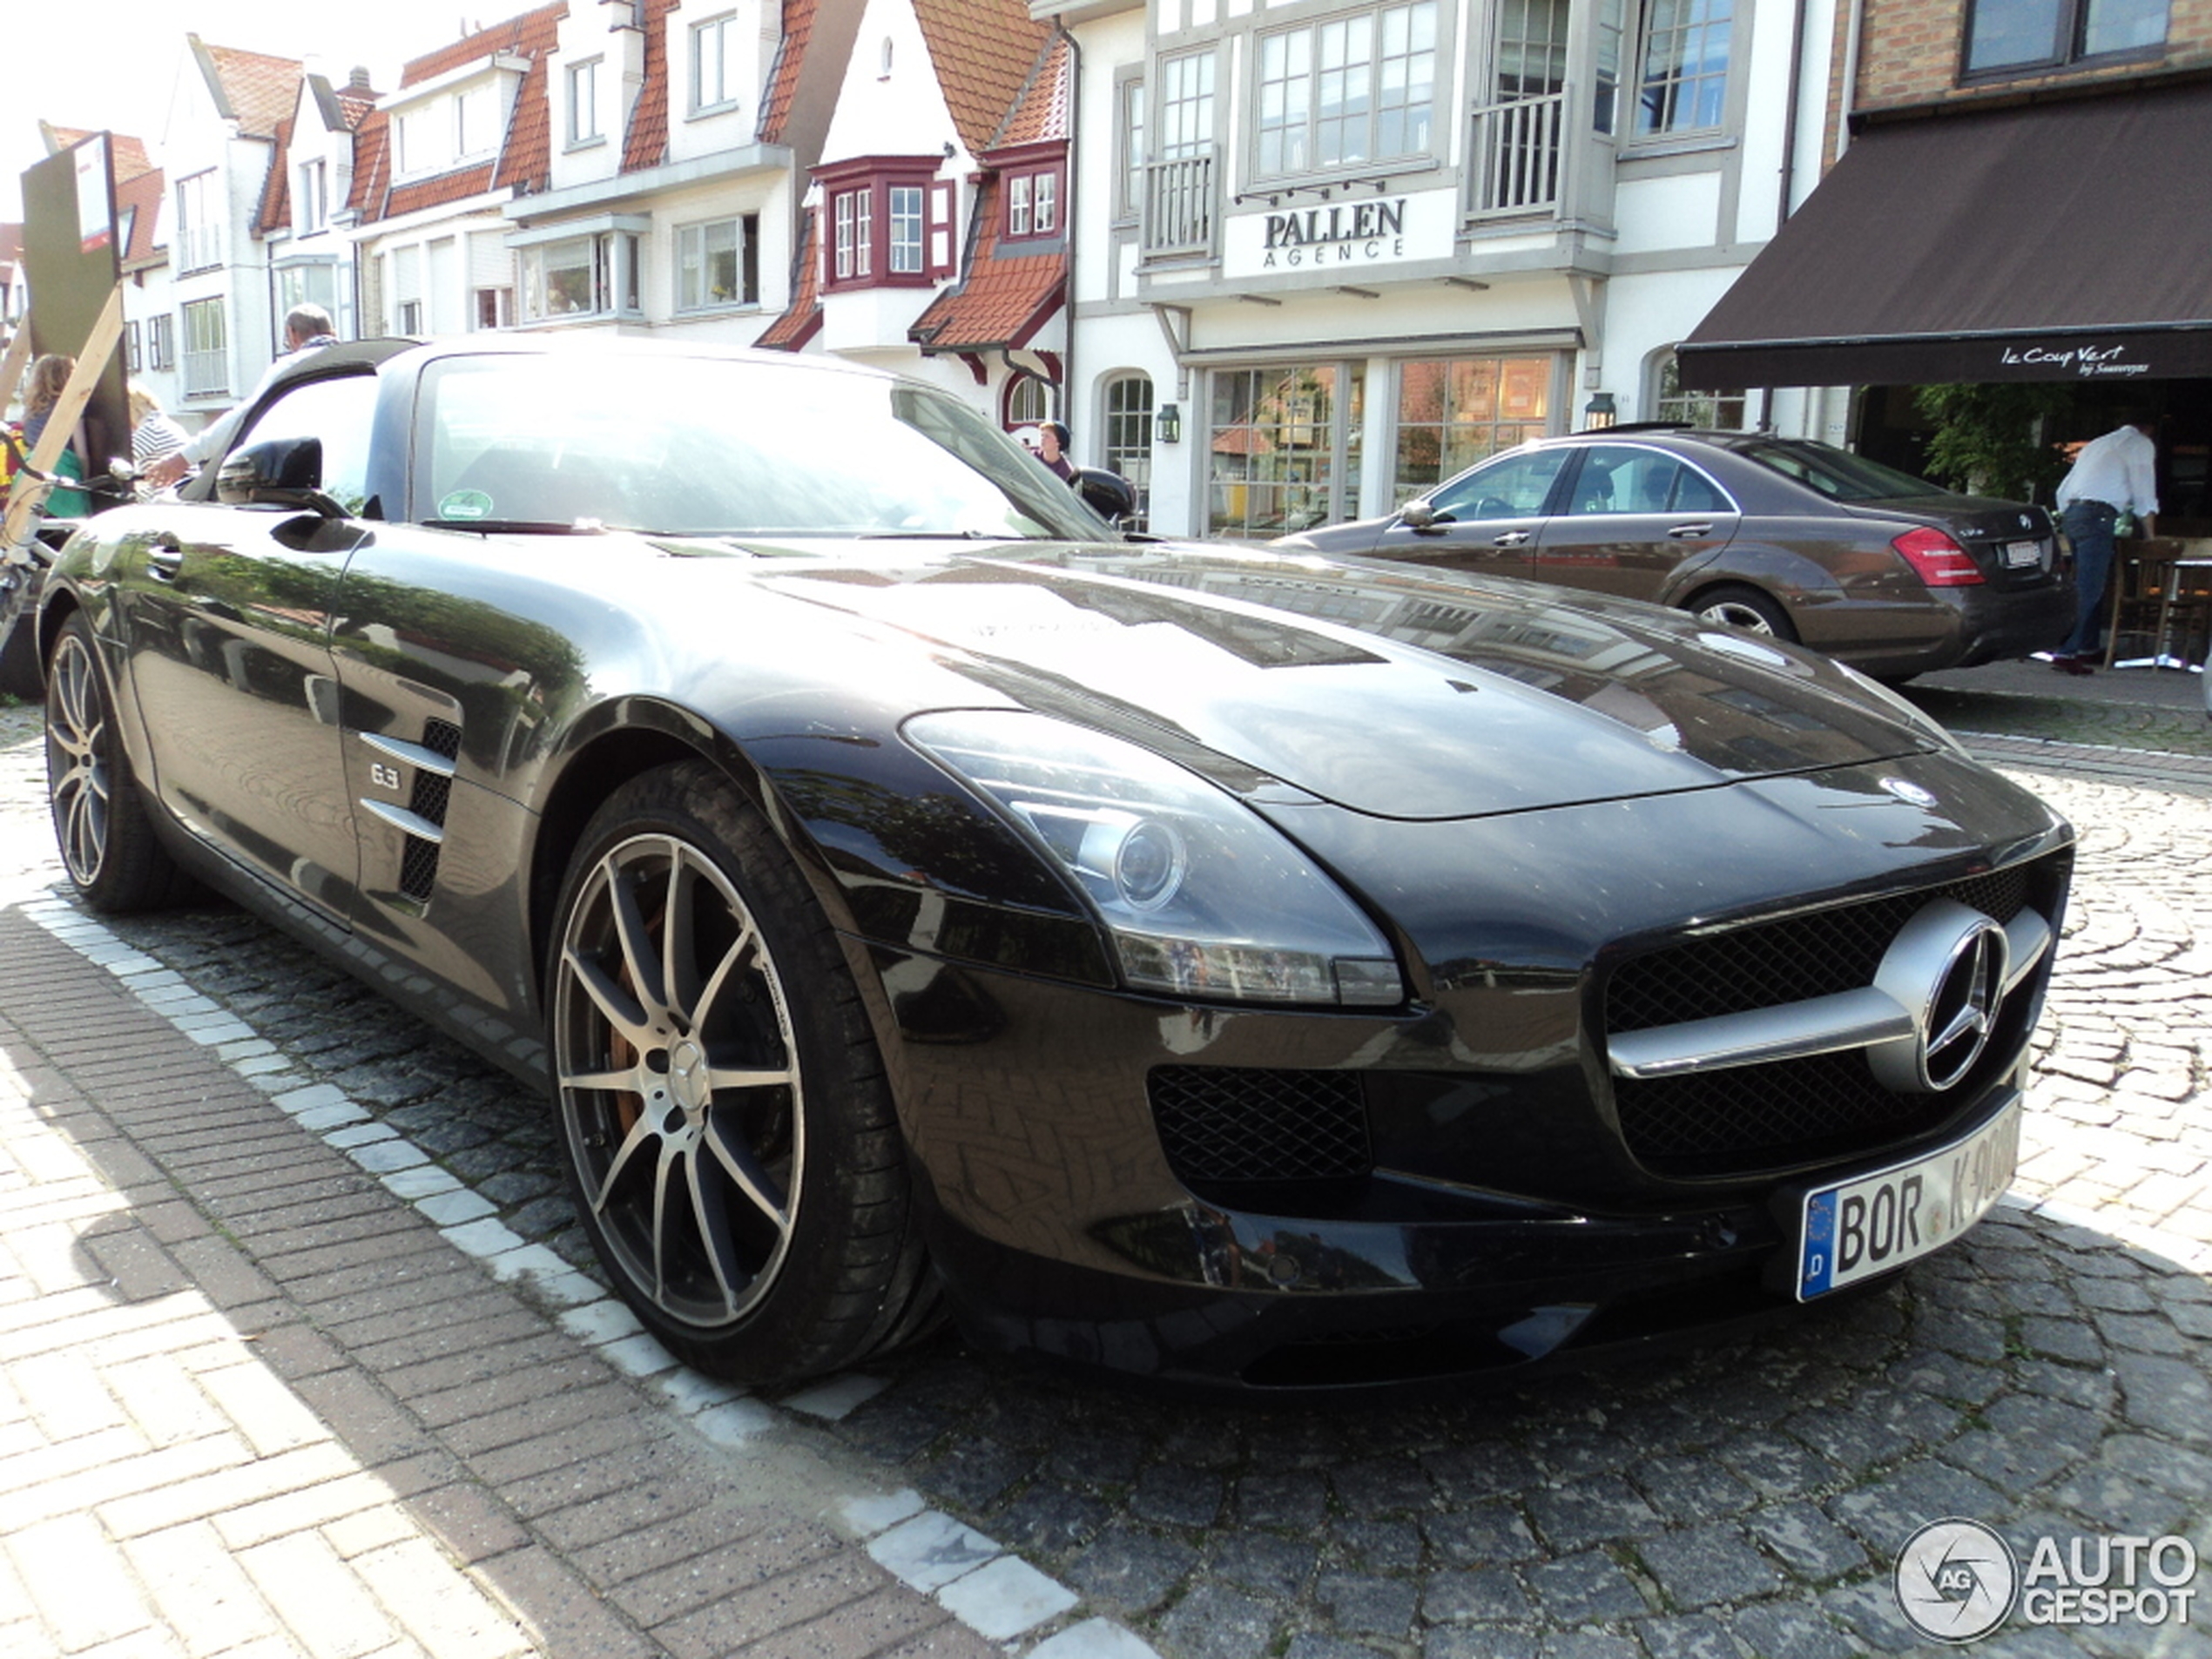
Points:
x=1201, y=896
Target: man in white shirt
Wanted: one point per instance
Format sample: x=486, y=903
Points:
x=2112, y=474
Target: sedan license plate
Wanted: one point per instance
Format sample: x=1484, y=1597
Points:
x=1875, y=1223
x=2019, y=556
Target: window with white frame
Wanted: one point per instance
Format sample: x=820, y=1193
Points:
x=1131, y=170
x=199, y=224
x=1721, y=411
x=1128, y=449
x=130, y=347
x=315, y=284
x=161, y=343
x=1028, y=401
x=476, y=122
x=495, y=308
x=583, y=103
x=1347, y=89
x=717, y=264
x=854, y=237
x=207, y=348
x=713, y=71
x=1032, y=203
x=596, y=274
x=424, y=138
x=311, y=205
x=908, y=204
x=1186, y=105
x=1682, y=86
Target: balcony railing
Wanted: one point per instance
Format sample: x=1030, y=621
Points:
x=1514, y=157
x=1179, y=206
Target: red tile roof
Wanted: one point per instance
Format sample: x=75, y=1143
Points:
x=646, y=143
x=1004, y=299
x=276, y=211
x=1040, y=112
x=783, y=79
x=802, y=319
x=372, y=165
x=983, y=52
x=521, y=34
x=525, y=158
x=253, y=88
x=126, y=156
x=144, y=192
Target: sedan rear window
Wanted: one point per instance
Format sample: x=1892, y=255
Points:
x=1837, y=473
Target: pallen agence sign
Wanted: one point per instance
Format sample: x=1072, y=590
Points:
x=1340, y=239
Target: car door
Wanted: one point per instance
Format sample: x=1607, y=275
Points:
x=227, y=613
x=1486, y=520
x=1633, y=520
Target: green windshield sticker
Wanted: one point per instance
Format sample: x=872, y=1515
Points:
x=465, y=503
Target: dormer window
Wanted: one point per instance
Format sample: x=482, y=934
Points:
x=714, y=68
x=1032, y=203
x=476, y=124
x=584, y=104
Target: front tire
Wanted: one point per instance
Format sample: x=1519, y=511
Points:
x=729, y=1130
x=101, y=823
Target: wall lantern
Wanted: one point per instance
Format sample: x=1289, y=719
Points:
x=1599, y=413
x=1168, y=425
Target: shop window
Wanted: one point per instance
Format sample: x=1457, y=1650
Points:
x=1283, y=448
x=1128, y=447
x=1683, y=85
x=2007, y=37
x=1347, y=89
x=1719, y=411
x=1453, y=412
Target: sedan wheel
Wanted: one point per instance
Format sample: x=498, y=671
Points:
x=727, y=1125
x=1744, y=608
x=107, y=841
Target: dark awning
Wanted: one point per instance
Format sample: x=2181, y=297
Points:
x=2046, y=241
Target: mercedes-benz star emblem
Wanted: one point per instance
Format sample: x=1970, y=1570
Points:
x=1947, y=970
x=1955, y=1580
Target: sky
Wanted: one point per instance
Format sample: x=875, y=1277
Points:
x=113, y=64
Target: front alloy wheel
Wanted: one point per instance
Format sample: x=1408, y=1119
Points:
x=106, y=839
x=729, y=1132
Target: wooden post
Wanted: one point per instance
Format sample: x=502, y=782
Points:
x=30, y=493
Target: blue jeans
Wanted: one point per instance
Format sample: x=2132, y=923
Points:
x=2088, y=526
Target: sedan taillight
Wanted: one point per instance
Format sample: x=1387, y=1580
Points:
x=1938, y=560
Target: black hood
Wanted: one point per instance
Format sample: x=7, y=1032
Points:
x=1395, y=692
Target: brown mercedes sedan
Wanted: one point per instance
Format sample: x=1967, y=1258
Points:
x=1884, y=571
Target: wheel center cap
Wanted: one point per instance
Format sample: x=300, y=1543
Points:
x=687, y=1075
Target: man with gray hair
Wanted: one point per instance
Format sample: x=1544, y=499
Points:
x=306, y=327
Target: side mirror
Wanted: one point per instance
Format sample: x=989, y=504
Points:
x=1417, y=515
x=284, y=472
x=1108, y=494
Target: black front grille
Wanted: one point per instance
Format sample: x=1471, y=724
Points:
x=1742, y=1119
x=1220, y=1124
x=1769, y=963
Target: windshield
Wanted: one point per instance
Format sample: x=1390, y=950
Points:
x=1837, y=473
x=711, y=447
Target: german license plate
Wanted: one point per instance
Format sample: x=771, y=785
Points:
x=1877, y=1222
x=2020, y=555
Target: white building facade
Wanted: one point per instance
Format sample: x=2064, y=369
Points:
x=1331, y=251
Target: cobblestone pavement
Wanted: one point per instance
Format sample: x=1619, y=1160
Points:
x=2052, y=1376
